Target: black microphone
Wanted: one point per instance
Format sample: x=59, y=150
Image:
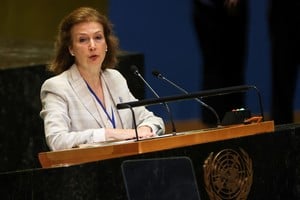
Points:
x=135, y=71
x=158, y=75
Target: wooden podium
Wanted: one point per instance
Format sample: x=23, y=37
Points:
x=107, y=150
x=264, y=157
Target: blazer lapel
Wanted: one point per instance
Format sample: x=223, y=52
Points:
x=117, y=97
x=80, y=88
x=117, y=94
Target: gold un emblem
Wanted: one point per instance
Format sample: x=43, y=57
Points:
x=228, y=175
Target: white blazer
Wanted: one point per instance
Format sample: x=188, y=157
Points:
x=72, y=115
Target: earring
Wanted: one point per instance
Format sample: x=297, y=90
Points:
x=106, y=50
x=72, y=54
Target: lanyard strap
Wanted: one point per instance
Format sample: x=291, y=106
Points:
x=112, y=117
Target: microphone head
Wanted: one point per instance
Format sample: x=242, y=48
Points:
x=156, y=73
x=134, y=69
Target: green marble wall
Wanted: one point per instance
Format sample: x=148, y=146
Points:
x=38, y=19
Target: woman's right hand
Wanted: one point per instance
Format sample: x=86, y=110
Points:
x=127, y=134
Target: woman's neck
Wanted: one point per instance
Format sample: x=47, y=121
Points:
x=92, y=77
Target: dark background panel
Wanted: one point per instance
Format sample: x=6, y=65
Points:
x=21, y=128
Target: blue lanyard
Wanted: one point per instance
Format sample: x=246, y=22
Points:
x=112, y=118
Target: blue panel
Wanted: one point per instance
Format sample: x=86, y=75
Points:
x=164, y=32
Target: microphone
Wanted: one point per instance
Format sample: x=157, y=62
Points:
x=135, y=71
x=158, y=75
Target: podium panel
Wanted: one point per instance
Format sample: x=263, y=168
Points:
x=173, y=178
x=270, y=160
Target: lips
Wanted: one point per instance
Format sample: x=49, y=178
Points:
x=93, y=57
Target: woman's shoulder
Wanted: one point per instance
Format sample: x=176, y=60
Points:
x=113, y=74
x=56, y=81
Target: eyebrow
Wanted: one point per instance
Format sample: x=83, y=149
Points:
x=82, y=33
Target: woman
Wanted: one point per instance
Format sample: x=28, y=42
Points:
x=79, y=103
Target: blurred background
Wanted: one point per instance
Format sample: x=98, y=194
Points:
x=161, y=30
x=154, y=35
x=165, y=33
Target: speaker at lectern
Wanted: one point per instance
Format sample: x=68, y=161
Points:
x=160, y=179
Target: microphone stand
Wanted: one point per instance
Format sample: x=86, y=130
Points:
x=134, y=121
x=136, y=72
x=158, y=75
x=205, y=93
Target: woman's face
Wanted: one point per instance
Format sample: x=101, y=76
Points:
x=88, y=45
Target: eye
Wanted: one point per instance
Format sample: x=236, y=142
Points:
x=98, y=37
x=83, y=39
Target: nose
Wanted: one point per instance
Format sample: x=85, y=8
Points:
x=92, y=45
